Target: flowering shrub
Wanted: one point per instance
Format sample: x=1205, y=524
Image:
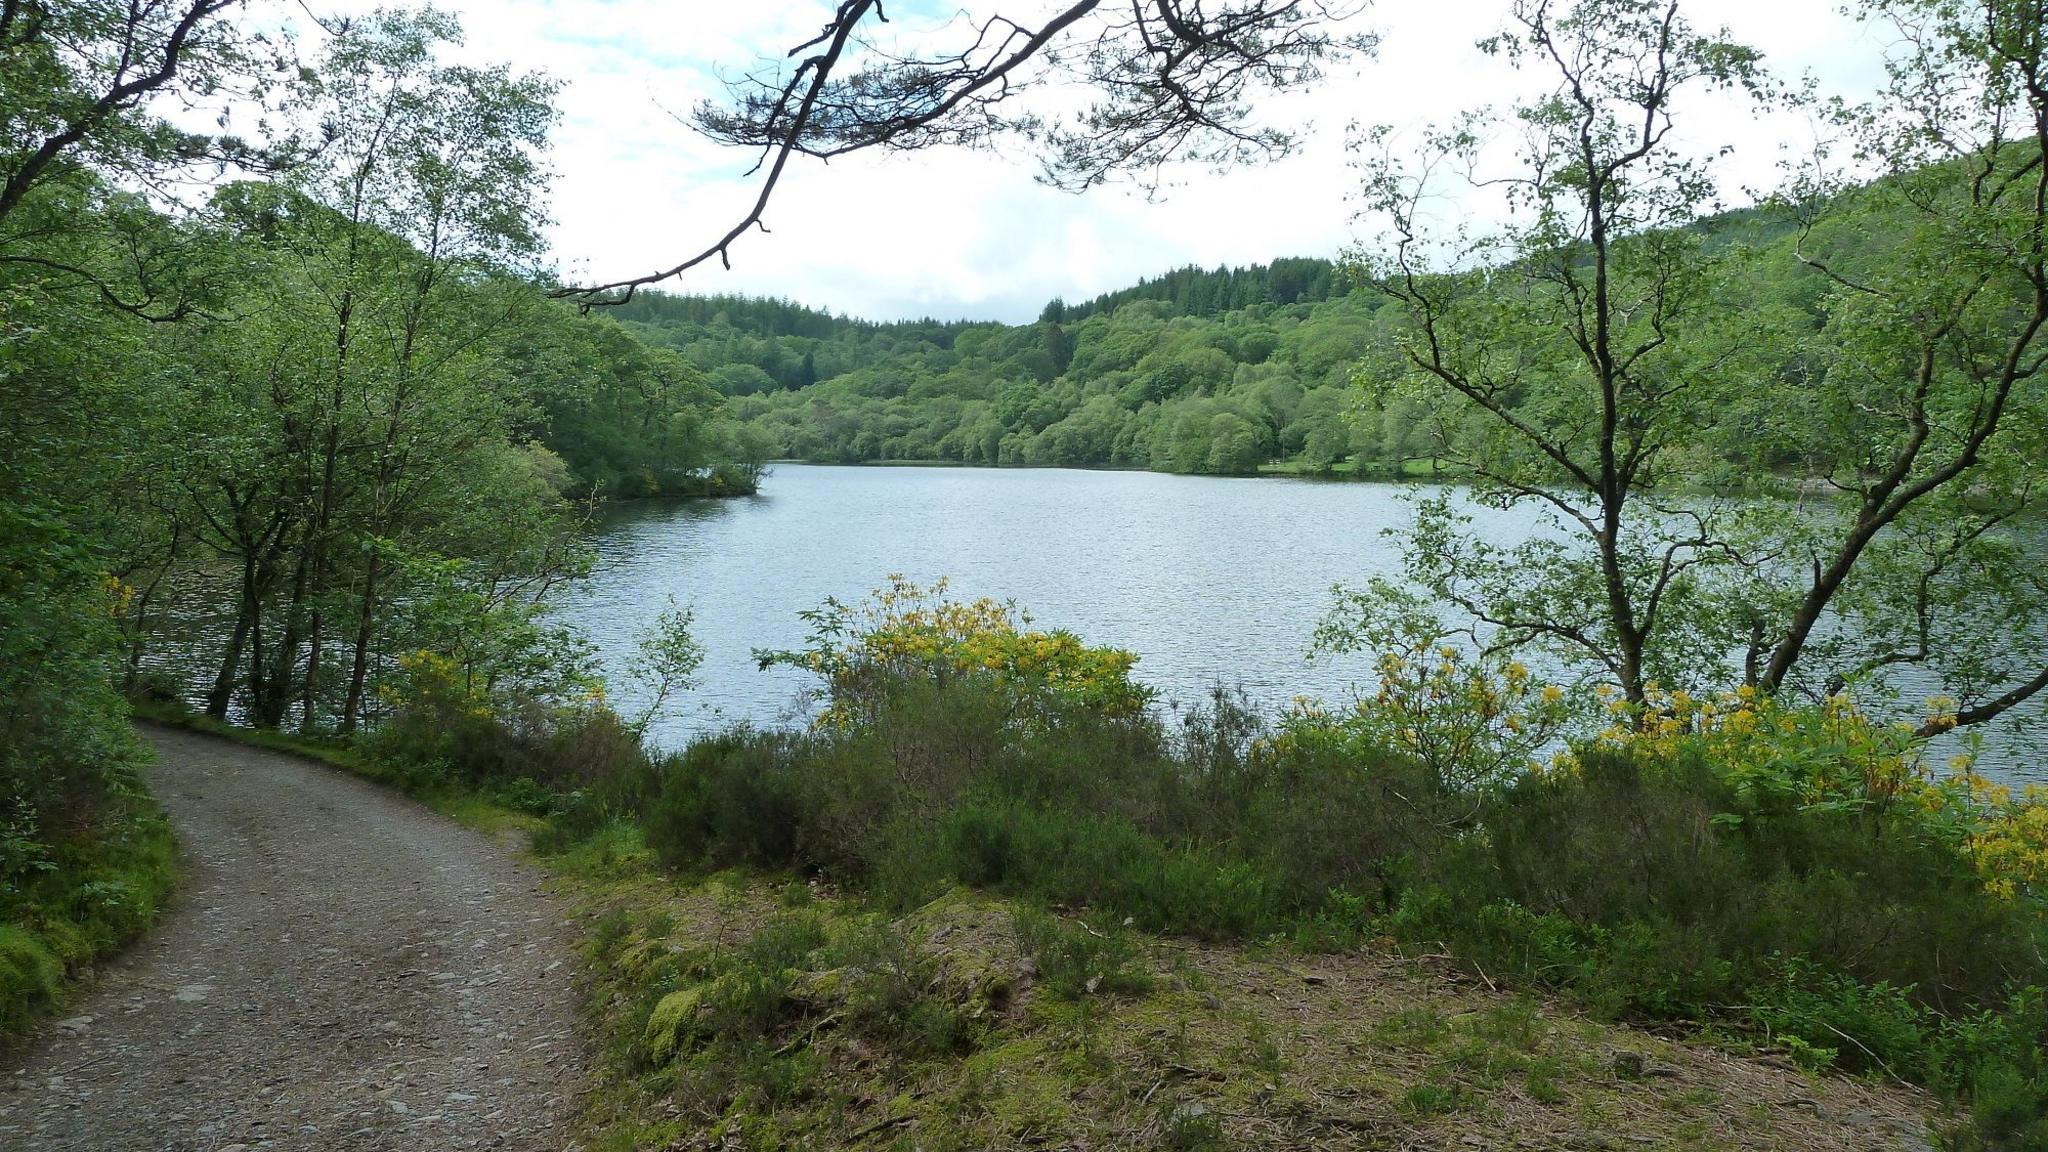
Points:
x=436, y=683
x=1833, y=758
x=1472, y=721
x=906, y=633
x=2006, y=835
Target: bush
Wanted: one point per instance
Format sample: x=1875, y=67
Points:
x=85, y=858
x=562, y=748
x=1076, y=961
x=905, y=635
x=728, y=800
x=102, y=886
x=1789, y=871
x=1796, y=876
x=1692, y=888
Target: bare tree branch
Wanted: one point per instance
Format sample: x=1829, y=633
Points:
x=1175, y=81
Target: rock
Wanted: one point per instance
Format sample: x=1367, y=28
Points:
x=672, y=1022
x=1628, y=1065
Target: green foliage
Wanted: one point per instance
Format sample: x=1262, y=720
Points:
x=1733, y=862
x=1076, y=961
x=728, y=800
x=76, y=81
x=1666, y=394
x=904, y=635
x=668, y=659
x=63, y=729
x=728, y=1026
x=1127, y=381
x=95, y=889
x=1841, y=916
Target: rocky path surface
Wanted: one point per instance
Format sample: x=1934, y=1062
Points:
x=345, y=971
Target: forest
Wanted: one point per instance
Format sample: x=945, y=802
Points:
x=307, y=404
x=1216, y=372
x=1283, y=367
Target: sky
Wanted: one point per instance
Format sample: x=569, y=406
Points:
x=959, y=234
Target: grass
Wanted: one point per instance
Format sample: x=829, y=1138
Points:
x=1350, y=468
x=477, y=808
x=102, y=888
x=332, y=753
x=733, y=1019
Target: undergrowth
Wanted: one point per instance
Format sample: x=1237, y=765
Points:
x=1786, y=878
x=83, y=896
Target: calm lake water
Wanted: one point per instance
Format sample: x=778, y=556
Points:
x=1210, y=580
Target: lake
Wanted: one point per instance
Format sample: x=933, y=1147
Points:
x=1208, y=579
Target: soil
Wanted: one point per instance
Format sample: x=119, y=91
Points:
x=346, y=970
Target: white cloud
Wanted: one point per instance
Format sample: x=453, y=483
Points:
x=953, y=234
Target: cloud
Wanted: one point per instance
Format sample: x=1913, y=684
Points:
x=969, y=234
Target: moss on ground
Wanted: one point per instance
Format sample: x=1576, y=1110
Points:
x=102, y=888
x=739, y=1016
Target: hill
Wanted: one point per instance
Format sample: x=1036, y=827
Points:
x=1192, y=371
x=1222, y=371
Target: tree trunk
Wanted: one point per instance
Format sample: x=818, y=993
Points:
x=223, y=691
x=309, y=695
x=139, y=628
x=274, y=693
x=359, y=669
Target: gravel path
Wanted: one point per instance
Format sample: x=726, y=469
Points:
x=345, y=971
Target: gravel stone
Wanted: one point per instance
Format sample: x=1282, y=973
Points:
x=338, y=950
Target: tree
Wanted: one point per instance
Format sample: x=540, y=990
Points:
x=1559, y=326
x=76, y=79
x=1936, y=332
x=81, y=83
x=441, y=159
x=1572, y=362
x=83, y=266
x=667, y=659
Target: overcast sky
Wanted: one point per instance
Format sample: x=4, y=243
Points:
x=958, y=234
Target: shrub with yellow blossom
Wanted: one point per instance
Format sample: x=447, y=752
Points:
x=1834, y=757
x=1472, y=720
x=2004, y=834
x=904, y=632
x=435, y=683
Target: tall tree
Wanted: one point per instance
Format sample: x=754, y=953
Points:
x=81, y=86
x=1576, y=358
x=1937, y=297
x=1562, y=326
x=433, y=176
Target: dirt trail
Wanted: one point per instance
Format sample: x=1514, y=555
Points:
x=345, y=971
